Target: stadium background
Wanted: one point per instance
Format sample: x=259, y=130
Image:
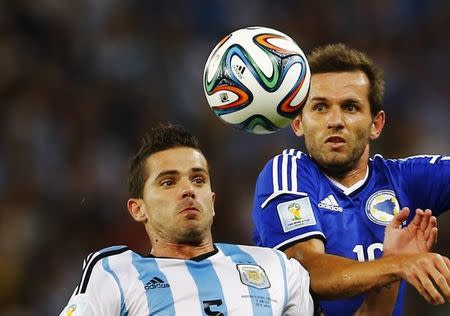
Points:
x=80, y=82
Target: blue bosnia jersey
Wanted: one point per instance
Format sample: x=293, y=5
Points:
x=295, y=201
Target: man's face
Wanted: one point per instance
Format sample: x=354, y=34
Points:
x=336, y=120
x=177, y=197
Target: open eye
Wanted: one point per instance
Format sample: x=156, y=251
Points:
x=199, y=180
x=319, y=107
x=167, y=183
x=351, y=106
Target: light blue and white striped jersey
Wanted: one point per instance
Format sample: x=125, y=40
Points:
x=295, y=201
x=231, y=280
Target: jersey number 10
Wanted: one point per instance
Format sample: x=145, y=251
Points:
x=361, y=254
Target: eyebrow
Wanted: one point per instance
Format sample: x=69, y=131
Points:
x=355, y=99
x=318, y=99
x=176, y=172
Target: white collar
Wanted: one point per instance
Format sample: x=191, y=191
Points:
x=354, y=187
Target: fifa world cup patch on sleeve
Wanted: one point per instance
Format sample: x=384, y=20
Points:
x=295, y=214
x=77, y=306
x=75, y=309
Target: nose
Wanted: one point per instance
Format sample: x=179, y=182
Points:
x=334, y=119
x=188, y=190
x=189, y=193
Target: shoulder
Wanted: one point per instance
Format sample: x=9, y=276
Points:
x=411, y=162
x=96, y=264
x=256, y=252
x=291, y=172
x=114, y=251
x=287, y=155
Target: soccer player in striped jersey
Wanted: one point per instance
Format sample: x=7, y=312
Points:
x=185, y=273
x=329, y=208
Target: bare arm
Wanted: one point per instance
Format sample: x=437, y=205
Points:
x=334, y=277
x=418, y=237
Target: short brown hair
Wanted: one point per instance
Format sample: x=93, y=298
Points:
x=161, y=137
x=341, y=58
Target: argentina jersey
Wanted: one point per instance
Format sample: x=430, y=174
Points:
x=295, y=201
x=231, y=280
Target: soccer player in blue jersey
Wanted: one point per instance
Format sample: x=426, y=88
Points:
x=329, y=208
x=185, y=273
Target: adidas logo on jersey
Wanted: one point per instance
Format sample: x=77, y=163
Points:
x=155, y=283
x=330, y=203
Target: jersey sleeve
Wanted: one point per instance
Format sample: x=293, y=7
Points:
x=299, y=301
x=97, y=294
x=283, y=211
x=427, y=180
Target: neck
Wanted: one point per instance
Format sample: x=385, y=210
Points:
x=354, y=174
x=180, y=251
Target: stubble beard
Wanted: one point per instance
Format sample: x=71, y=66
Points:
x=194, y=234
x=336, y=164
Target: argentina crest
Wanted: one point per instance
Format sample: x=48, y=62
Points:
x=253, y=275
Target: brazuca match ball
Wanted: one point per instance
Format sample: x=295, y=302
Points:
x=256, y=79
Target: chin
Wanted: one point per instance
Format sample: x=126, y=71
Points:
x=193, y=237
x=336, y=164
x=193, y=233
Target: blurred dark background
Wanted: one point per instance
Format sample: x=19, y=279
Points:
x=81, y=81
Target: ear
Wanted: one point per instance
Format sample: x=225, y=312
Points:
x=137, y=210
x=377, y=125
x=213, y=202
x=297, y=126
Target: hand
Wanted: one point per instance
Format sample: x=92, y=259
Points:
x=428, y=272
x=418, y=237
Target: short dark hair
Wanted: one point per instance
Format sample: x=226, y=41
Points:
x=161, y=137
x=341, y=58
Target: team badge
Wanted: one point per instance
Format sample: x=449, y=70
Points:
x=296, y=214
x=253, y=275
x=382, y=206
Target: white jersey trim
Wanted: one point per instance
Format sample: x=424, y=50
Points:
x=91, y=261
x=280, y=179
x=299, y=237
x=354, y=187
x=278, y=193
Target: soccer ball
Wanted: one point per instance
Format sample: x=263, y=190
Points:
x=256, y=79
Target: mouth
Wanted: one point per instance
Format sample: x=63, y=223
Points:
x=189, y=210
x=335, y=141
x=190, y=213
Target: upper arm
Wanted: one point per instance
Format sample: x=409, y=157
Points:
x=79, y=305
x=306, y=251
x=99, y=295
x=426, y=180
x=284, y=210
x=300, y=301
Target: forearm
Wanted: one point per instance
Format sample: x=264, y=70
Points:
x=380, y=301
x=334, y=277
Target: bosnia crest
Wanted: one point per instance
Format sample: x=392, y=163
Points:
x=253, y=275
x=382, y=206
